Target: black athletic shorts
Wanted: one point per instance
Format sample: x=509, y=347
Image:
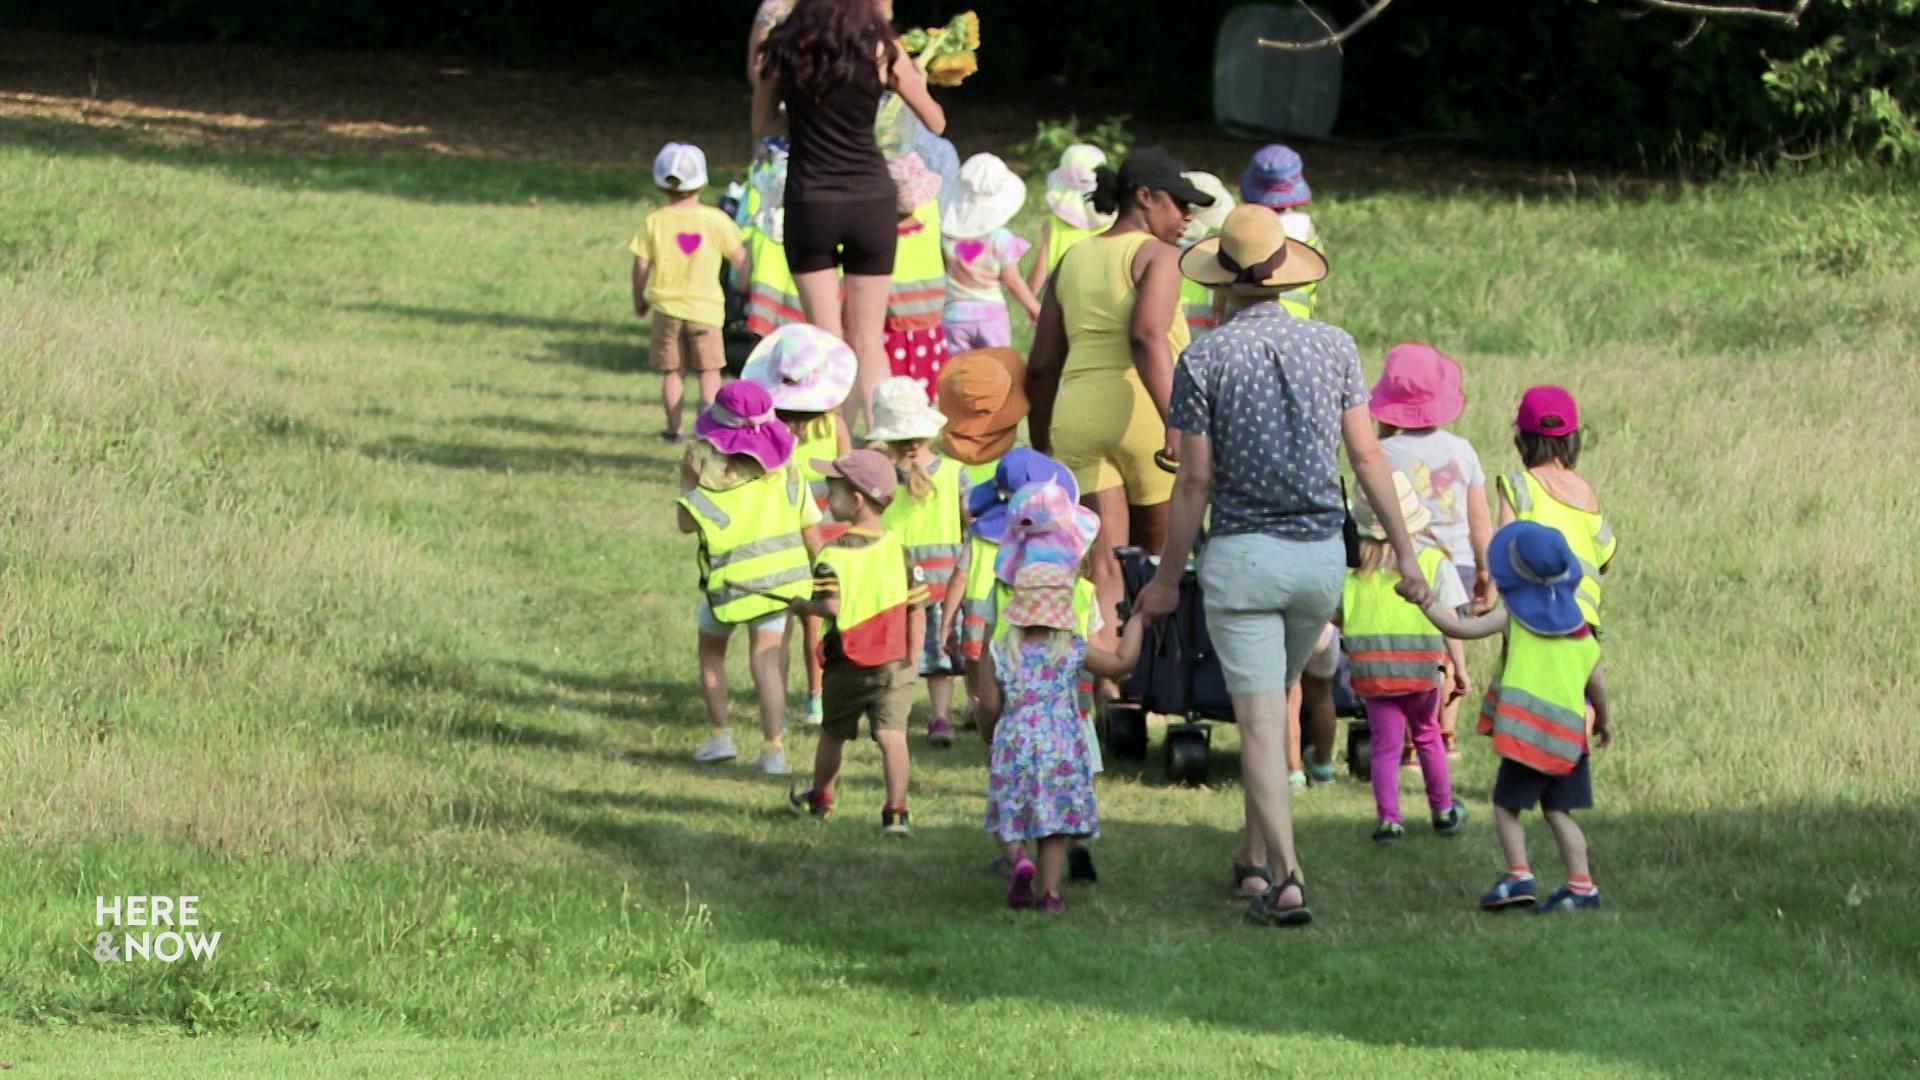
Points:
x=1517, y=787
x=858, y=237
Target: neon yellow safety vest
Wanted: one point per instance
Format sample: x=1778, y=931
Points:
x=1084, y=599
x=773, y=300
x=1586, y=532
x=919, y=293
x=823, y=444
x=1196, y=301
x=978, y=603
x=1536, y=710
x=1392, y=648
x=1061, y=238
x=980, y=472
x=872, y=577
x=930, y=528
x=750, y=544
x=1302, y=301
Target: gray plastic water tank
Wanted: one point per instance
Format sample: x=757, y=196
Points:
x=1258, y=91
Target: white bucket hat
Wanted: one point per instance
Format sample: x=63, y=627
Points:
x=1207, y=220
x=901, y=411
x=1069, y=185
x=989, y=197
x=680, y=168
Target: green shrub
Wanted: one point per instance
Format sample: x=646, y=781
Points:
x=1051, y=137
x=1858, y=88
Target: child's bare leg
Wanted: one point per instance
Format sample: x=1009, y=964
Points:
x=810, y=628
x=1293, y=729
x=827, y=755
x=713, y=680
x=709, y=388
x=767, y=661
x=940, y=692
x=1318, y=718
x=1573, y=844
x=1053, y=859
x=1449, y=710
x=894, y=765
x=1513, y=836
x=672, y=394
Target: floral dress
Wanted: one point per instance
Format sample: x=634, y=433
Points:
x=1039, y=780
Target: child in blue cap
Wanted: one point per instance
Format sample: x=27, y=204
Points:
x=1537, y=708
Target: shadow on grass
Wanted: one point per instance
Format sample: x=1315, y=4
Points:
x=1161, y=938
x=483, y=457
x=401, y=175
x=526, y=425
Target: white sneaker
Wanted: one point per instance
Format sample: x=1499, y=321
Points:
x=718, y=748
x=773, y=763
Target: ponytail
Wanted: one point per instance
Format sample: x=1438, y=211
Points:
x=906, y=453
x=1107, y=193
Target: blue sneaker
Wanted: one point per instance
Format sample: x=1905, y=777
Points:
x=1565, y=899
x=1508, y=892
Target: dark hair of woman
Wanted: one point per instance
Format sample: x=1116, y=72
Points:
x=1109, y=194
x=825, y=44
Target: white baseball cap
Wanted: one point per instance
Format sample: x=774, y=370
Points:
x=680, y=167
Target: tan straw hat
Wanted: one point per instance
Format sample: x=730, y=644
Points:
x=1253, y=251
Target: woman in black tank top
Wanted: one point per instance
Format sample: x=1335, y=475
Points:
x=829, y=63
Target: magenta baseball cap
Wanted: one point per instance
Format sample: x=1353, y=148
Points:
x=1549, y=411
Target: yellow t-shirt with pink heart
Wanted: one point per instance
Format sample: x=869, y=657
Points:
x=684, y=245
x=974, y=266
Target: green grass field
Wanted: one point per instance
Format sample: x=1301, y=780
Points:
x=342, y=590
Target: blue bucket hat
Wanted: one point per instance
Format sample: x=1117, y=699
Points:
x=1020, y=466
x=1537, y=575
x=1274, y=179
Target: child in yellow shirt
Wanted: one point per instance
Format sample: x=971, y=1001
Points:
x=676, y=279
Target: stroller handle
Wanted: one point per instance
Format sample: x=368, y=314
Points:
x=1166, y=463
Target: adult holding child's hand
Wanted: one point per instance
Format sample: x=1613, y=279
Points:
x=1262, y=406
x=829, y=62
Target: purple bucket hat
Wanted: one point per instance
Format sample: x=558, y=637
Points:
x=741, y=421
x=1044, y=525
x=1274, y=179
x=1022, y=465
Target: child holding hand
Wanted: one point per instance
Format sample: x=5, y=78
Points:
x=676, y=279
x=983, y=258
x=1040, y=779
x=1549, y=491
x=1536, y=708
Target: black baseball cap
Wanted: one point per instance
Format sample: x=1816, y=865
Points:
x=1152, y=168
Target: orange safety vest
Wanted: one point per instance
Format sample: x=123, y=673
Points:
x=872, y=624
x=1392, y=648
x=1536, y=709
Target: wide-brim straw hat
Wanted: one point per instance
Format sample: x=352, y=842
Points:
x=901, y=412
x=1412, y=511
x=989, y=196
x=983, y=395
x=1253, y=251
x=805, y=369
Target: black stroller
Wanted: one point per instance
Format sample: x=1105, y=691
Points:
x=1179, y=675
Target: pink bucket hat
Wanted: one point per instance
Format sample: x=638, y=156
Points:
x=1419, y=388
x=1042, y=596
x=1548, y=410
x=741, y=421
x=804, y=368
x=1044, y=525
x=914, y=184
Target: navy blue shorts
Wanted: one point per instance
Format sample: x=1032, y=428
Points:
x=1517, y=787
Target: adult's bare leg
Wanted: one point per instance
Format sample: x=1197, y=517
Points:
x=866, y=332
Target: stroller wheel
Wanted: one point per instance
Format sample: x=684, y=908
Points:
x=1126, y=730
x=1187, y=755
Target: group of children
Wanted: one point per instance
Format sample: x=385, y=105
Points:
x=943, y=552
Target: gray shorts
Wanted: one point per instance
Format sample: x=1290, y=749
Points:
x=1267, y=600
x=775, y=623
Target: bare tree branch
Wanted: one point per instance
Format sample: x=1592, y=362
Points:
x=1790, y=16
x=1333, y=38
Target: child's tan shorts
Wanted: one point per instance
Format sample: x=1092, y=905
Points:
x=681, y=345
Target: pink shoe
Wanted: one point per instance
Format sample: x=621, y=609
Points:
x=1053, y=905
x=1020, y=885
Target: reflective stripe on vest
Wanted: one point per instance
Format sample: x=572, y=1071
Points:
x=872, y=624
x=749, y=545
x=1536, y=708
x=773, y=300
x=930, y=528
x=980, y=600
x=1392, y=648
x=1197, y=302
x=919, y=291
x=1531, y=501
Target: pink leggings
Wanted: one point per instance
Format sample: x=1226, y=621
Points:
x=1389, y=720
